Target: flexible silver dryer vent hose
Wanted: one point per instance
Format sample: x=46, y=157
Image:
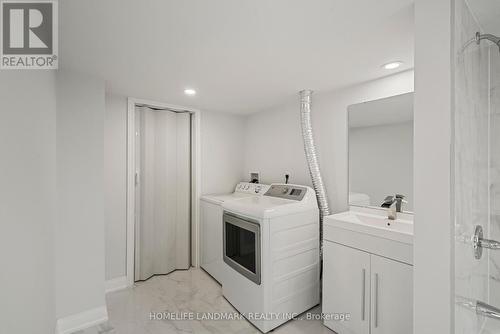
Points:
x=312, y=159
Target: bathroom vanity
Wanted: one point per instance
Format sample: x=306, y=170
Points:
x=368, y=272
x=367, y=257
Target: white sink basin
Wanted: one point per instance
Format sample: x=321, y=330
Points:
x=398, y=230
x=370, y=230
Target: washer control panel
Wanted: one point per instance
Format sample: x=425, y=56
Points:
x=251, y=188
x=287, y=191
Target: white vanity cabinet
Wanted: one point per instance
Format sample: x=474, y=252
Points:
x=374, y=291
x=391, y=296
x=346, y=288
x=366, y=277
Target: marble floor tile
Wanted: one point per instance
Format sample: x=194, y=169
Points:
x=190, y=291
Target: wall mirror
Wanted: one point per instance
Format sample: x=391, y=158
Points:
x=381, y=151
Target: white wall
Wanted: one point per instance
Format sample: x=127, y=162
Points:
x=27, y=201
x=391, y=147
x=115, y=186
x=222, y=144
x=433, y=246
x=222, y=147
x=273, y=142
x=80, y=185
x=51, y=245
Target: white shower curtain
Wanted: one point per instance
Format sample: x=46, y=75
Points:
x=162, y=221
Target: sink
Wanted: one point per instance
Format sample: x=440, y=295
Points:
x=399, y=230
x=370, y=230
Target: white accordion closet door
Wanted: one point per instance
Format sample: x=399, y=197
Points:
x=163, y=167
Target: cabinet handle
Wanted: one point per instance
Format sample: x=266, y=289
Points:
x=376, y=301
x=363, y=275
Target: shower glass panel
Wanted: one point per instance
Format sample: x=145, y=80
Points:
x=476, y=185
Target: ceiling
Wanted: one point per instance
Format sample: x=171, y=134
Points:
x=241, y=56
x=391, y=110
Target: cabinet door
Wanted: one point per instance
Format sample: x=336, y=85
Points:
x=392, y=297
x=346, y=284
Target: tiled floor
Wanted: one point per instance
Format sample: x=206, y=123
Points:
x=183, y=291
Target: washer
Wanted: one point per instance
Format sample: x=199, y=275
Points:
x=271, y=254
x=211, y=225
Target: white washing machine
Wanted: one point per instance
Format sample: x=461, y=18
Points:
x=271, y=254
x=211, y=225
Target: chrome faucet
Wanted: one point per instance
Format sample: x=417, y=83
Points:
x=399, y=199
x=393, y=205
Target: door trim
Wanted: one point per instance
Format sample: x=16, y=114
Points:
x=195, y=180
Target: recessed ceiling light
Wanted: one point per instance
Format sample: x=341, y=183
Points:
x=392, y=65
x=189, y=92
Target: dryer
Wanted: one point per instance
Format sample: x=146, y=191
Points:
x=211, y=225
x=271, y=254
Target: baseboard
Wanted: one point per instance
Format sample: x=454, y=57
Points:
x=83, y=320
x=116, y=284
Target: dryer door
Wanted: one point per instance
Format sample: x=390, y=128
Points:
x=242, y=247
